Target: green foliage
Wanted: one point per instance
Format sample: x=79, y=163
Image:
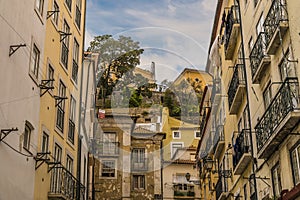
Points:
x=117, y=57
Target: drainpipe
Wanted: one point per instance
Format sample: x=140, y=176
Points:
x=79, y=120
x=248, y=100
x=161, y=169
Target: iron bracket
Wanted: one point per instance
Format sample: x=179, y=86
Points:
x=59, y=99
x=63, y=35
x=14, y=48
x=40, y=158
x=6, y=132
x=44, y=86
x=51, y=12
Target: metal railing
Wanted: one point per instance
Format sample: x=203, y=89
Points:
x=276, y=14
x=75, y=71
x=258, y=52
x=232, y=18
x=141, y=165
x=220, y=187
x=236, y=81
x=286, y=100
x=241, y=146
x=106, y=148
x=63, y=183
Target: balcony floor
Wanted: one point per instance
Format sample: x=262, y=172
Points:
x=275, y=41
x=261, y=69
x=219, y=148
x=238, y=98
x=280, y=133
x=243, y=163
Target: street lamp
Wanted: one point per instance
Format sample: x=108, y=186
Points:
x=208, y=163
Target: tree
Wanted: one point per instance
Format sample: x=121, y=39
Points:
x=117, y=57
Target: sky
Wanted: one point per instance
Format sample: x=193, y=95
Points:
x=174, y=34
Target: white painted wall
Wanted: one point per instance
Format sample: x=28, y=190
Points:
x=20, y=95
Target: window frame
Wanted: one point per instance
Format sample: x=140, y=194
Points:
x=68, y=4
x=62, y=90
x=76, y=53
x=78, y=9
x=39, y=6
x=179, y=134
x=296, y=180
x=172, y=150
x=65, y=45
x=70, y=163
x=45, y=143
x=195, y=134
x=72, y=117
x=35, y=62
x=140, y=180
x=267, y=93
x=109, y=168
x=276, y=169
x=55, y=16
x=28, y=129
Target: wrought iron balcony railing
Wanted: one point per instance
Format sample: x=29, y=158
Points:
x=64, y=185
x=216, y=91
x=257, y=56
x=242, y=150
x=232, y=18
x=141, y=165
x=219, y=140
x=276, y=15
x=183, y=193
x=64, y=54
x=234, y=90
x=75, y=71
x=285, y=101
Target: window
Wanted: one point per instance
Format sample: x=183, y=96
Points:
x=45, y=142
x=39, y=4
x=34, y=66
x=69, y=164
x=267, y=96
x=138, y=182
x=250, y=45
x=75, y=61
x=176, y=135
x=197, y=134
x=108, y=168
x=60, y=116
x=50, y=75
x=245, y=192
x=65, y=44
x=276, y=180
x=295, y=157
x=138, y=159
x=27, y=135
x=174, y=148
x=260, y=25
x=109, y=143
x=57, y=153
x=72, y=120
x=69, y=4
x=55, y=16
x=78, y=13
x=255, y=3
x=286, y=68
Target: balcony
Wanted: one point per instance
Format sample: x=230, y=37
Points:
x=216, y=95
x=259, y=59
x=106, y=148
x=236, y=89
x=221, y=189
x=242, y=150
x=220, y=141
x=276, y=25
x=279, y=119
x=63, y=185
x=141, y=165
x=232, y=30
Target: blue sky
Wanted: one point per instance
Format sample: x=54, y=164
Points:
x=174, y=33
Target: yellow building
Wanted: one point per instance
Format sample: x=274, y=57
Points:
x=250, y=145
x=58, y=175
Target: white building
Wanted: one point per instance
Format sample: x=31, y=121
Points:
x=22, y=31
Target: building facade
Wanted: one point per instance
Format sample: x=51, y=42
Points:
x=22, y=44
x=253, y=54
x=59, y=169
